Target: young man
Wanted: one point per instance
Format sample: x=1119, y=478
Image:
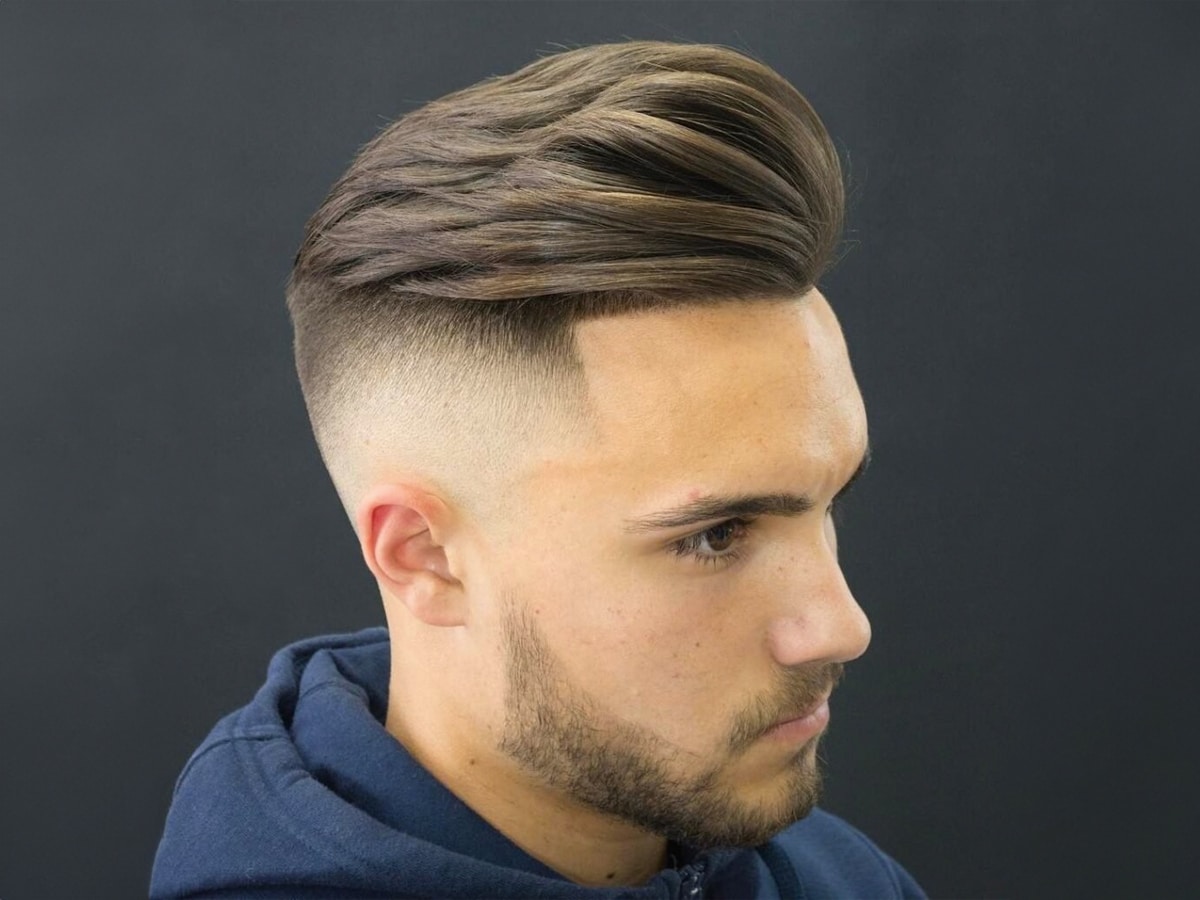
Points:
x=561, y=345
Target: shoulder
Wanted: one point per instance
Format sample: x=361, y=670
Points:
x=246, y=811
x=222, y=809
x=822, y=855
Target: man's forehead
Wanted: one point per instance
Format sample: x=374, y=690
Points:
x=700, y=391
x=661, y=341
x=684, y=367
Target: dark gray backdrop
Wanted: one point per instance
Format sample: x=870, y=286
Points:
x=1019, y=303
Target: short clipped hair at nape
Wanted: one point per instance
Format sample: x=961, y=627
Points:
x=446, y=269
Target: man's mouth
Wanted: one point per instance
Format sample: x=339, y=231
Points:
x=803, y=725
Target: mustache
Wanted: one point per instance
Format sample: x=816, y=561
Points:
x=799, y=690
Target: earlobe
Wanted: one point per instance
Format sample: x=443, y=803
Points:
x=401, y=532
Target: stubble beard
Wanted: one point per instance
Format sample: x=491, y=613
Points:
x=557, y=734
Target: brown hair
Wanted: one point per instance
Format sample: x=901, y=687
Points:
x=468, y=237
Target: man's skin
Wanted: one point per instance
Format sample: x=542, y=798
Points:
x=585, y=686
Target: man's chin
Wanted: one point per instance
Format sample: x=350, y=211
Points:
x=749, y=822
x=797, y=798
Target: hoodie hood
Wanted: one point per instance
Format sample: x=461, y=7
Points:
x=303, y=792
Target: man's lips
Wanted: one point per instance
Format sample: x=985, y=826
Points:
x=802, y=726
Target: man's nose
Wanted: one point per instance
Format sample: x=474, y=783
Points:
x=820, y=621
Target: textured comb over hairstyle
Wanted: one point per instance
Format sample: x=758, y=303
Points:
x=449, y=264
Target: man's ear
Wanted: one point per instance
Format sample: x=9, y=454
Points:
x=401, y=530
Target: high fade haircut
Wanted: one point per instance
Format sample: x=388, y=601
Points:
x=435, y=293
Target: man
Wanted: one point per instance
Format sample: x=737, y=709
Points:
x=561, y=345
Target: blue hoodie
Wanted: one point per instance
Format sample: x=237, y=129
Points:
x=303, y=793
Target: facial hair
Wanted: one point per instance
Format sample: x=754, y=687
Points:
x=558, y=734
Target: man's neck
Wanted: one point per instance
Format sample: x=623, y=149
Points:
x=585, y=846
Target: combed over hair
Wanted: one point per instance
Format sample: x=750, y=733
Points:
x=474, y=231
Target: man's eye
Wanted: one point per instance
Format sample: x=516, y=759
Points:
x=718, y=544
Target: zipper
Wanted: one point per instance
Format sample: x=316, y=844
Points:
x=691, y=886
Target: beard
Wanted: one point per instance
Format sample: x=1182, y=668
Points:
x=558, y=734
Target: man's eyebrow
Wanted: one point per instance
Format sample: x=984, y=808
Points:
x=705, y=509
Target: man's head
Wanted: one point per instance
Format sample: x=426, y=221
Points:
x=565, y=359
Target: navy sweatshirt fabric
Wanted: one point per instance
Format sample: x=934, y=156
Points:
x=303, y=793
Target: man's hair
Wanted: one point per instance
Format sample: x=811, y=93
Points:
x=465, y=241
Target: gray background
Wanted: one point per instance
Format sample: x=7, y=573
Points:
x=1020, y=305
